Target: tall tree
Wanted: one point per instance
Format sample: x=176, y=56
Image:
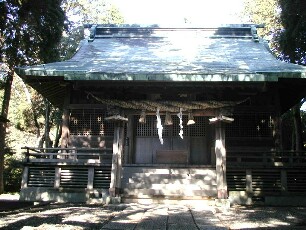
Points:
x=30, y=31
x=85, y=12
x=265, y=12
x=292, y=41
x=285, y=28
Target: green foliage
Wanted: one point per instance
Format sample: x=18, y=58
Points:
x=303, y=118
x=288, y=129
x=31, y=31
x=285, y=26
x=265, y=12
x=12, y=173
x=293, y=38
x=91, y=12
x=28, y=115
x=13, y=158
x=85, y=12
x=70, y=42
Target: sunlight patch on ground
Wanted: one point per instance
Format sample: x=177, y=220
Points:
x=52, y=227
x=9, y=197
x=82, y=218
x=276, y=222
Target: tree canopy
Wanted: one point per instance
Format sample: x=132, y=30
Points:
x=292, y=39
x=285, y=26
x=35, y=32
x=30, y=31
x=85, y=12
x=265, y=12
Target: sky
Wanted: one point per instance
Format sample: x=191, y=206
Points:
x=176, y=12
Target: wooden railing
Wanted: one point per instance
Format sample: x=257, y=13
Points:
x=266, y=158
x=68, y=155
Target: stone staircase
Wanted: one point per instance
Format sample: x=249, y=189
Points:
x=168, y=184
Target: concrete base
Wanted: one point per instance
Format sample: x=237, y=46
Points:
x=114, y=200
x=240, y=197
x=64, y=195
x=222, y=203
x=149, y=201
x=243, y=198
x=285, y=200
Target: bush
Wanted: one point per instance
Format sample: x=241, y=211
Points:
x=12, y=173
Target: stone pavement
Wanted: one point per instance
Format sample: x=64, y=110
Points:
x=80, y=216
x=170, y=217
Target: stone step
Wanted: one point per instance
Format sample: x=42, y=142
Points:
x=169, y=171
x=171, y=176
x=155, y=179
x=202, y=202
x=168, y=183
x=175, y=192
x=171, y=184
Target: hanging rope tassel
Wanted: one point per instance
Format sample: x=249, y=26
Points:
x=180, y=116
x=159, y=127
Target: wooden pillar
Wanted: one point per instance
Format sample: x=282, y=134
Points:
x=284, y=182
x=277, y=122
x=221, y=161
x=116, y=171
x=25, y=176
x=130, y=142
x=277, y=132
x=112, y=187
x=57, y=179
x=220, y=152
x=65, y=122
x=120, y=154
x=90, y=181
x=249, y=179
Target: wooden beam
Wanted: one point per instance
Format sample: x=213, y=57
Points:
x=115, y=118
x=221, y=118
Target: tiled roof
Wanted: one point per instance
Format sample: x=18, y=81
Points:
x=229, y=53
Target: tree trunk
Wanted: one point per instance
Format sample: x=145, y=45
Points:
x=35, y=117
x=29, y=100
x=298, y=128
x=3, y=125
x=58, y=134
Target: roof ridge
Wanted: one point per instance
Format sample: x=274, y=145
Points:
x=128, y=31
x=179, y=26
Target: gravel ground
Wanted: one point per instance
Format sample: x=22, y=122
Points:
x=133, y=216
